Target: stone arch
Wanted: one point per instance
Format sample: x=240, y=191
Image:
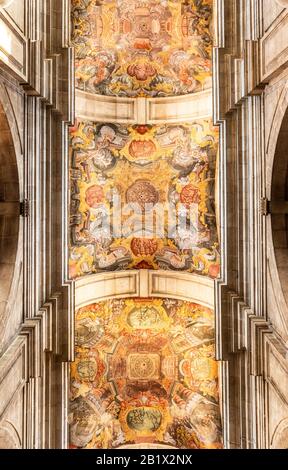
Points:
x=9, y=437
x=280, y=437
x=10, y=223
x=279, y=198
x=277, y=179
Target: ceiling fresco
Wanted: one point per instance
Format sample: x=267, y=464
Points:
x=142, y=47
x=162, y=175
x=144, y=374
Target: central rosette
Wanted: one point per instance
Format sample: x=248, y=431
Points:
x=144, y=366
x=143, y=194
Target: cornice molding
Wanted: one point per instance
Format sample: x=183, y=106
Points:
x=175, y=109
x=147, y=284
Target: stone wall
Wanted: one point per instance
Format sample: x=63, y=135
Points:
x=37, y=301
x=251, y=108
x=36, y=106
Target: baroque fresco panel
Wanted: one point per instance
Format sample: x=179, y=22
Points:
x=145, y=373
x=143, y=197
x=133, y=48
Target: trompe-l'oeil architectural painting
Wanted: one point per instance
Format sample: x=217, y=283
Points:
x=145, y=373
x=168, y=173
x=142, y=48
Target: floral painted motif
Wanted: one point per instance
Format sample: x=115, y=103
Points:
x=109, y=160
x=142, y=47
x=144, y=373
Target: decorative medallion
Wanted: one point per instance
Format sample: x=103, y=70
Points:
x=144, y=246
x=94, y=195
x=143, y=366
x=142, y=193
x=190, y=195
x=142, y=148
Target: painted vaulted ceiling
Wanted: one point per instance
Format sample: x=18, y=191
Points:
x=158, y=165
x=145, y=373
x=142, y=47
